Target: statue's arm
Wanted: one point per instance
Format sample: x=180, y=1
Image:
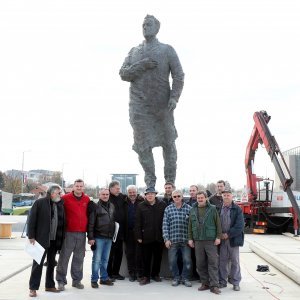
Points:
x=131, y=71
x=176, y=73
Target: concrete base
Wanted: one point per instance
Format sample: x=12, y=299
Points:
x=286, y=267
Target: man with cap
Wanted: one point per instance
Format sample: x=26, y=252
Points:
x=148, y=230
x=232, y=223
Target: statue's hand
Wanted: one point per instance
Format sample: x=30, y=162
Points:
x=149, y=63
x=172, y=104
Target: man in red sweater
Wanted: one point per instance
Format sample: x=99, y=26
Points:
x=75, y=204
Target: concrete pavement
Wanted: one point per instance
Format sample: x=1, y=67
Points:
x=254, y=285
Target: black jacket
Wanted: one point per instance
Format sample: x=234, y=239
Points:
x=148, y=223
x=139, y=199
x=119, y=204
x=217, y=201
x=101, y=220
x=40, y=220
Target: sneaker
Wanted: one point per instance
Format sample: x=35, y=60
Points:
x=175, y=282
x=78, y=285
x=94, y=284
x=32, y=293
x=236, y=288
x=215, y=290
x=106, y=282
x=187, y=283
x=60, y=286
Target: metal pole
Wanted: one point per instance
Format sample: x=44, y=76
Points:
x=22, y=172
x=23, y=157
x=62, y=177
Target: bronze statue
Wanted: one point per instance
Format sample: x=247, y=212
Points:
x=152, y=102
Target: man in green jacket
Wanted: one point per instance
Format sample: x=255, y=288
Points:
x=204, y=234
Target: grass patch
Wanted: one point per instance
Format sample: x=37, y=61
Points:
x=20, y=211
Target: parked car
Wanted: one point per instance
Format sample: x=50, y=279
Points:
x=24, y=199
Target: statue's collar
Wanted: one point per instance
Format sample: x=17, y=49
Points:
x=151, y=43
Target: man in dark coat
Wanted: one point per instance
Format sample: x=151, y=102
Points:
x=217, y=199
x=148, y=230
x=46, y=226
x=116, y=251
x=101, y=229
x=132, y=247
x=232, y=222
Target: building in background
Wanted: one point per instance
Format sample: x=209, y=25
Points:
x=125, y=180
x=292, y=158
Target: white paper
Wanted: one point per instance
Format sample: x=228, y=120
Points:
x=36, y=251
x=117, y=226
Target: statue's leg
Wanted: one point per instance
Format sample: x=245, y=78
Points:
x=170, y=158
x=147, y=161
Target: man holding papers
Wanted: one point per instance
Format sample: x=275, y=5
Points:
x=46, y=226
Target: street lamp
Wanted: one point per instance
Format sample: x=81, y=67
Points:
x=22, y=183
x=62, y=175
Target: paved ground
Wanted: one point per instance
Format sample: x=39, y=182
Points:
x=254, y=285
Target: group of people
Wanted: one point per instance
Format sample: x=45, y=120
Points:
x=202, y=236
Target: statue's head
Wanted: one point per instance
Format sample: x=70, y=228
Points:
x=150, y=26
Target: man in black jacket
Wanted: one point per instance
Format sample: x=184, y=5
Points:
x=46, y=226
x=217, y=198
x=148, y=230
x=132, y=247
x=116, y=252
x=101, y=228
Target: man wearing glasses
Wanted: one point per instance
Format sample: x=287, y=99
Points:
x=175, y=234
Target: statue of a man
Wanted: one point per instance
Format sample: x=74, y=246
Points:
x=152, y=102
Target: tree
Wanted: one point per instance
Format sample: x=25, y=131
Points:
x=12, y=184
x=211, y=187
x=56, y=178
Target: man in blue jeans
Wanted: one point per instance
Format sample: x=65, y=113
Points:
x=175, y=234
x=101, y=227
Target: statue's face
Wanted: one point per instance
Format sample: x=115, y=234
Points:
x=149, y=28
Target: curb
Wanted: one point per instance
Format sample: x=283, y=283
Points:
x=290, y=235
x=281, y=264
x=15, y=273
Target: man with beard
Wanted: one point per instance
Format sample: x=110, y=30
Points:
x=46, y=226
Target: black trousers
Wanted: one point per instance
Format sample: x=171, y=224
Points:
x=152, y=255
x=36, y=270
x=133, y=253
x=195, y=274
x=115, y=258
